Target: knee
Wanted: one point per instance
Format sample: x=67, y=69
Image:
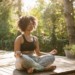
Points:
x=47, y=60
x=51, y=59
x=18, y=64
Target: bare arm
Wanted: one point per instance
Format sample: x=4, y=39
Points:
x=38, y=52
x=17, y=44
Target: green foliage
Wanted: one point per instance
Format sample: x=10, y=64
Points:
x=7, y=33
x=67, y=47
x=70, y=48
x=53, y=15
x=4, y=14
x=47, y=44
x=60, y=44
x=4, y=27
x=51, y=30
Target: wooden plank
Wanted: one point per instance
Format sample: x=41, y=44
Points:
x=16, y=72
x=7, y=70
x=64, y=65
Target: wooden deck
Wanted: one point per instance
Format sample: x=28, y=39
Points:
x=64, y=65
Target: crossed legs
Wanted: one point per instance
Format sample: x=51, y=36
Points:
x=44, y=63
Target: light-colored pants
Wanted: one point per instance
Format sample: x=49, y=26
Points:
x=39, y=63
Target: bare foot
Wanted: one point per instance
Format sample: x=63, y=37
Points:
x=50, y=68
x=30, y=70
x=54, y=51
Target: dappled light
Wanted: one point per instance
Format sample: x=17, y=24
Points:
x=41, y=30
x=6, y=58
x=28, y=5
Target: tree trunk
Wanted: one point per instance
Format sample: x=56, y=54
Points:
x=19, y=8
x=69, y=17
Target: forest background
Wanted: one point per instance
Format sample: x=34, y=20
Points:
x=56, y=26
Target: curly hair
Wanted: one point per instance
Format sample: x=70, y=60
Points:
x=33, y=19
x=24, y=22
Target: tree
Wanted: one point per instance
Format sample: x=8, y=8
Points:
x=53, y=15
x=7, y=25
x=38, y=12
x=19, y=8
x=69, y=17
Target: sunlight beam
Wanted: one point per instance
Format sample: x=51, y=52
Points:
x=28, y=5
